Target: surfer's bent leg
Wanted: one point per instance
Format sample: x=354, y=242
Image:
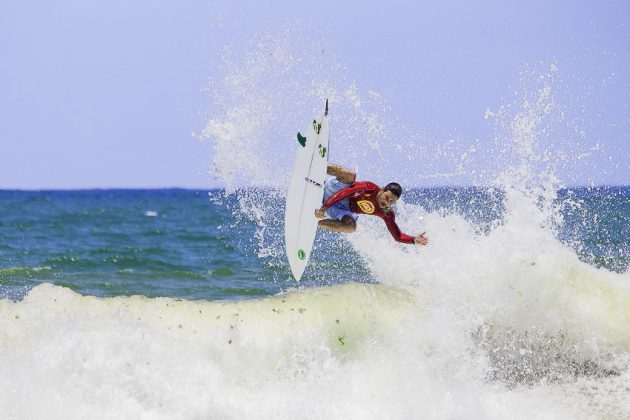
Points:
x=342, y=174
x=346, y=225
x=340, y=218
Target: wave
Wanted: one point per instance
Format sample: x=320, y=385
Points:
x=352, y=350
x=23, y=270
x=130, y=356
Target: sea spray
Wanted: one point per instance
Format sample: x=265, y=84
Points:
x=264, y=96
x=518, y=304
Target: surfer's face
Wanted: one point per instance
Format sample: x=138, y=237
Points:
x=386, y=199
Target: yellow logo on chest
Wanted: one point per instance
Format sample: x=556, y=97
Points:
x=366, y=206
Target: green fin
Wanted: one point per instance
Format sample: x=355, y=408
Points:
x=302, y=140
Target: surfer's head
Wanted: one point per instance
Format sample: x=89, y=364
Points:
x=388, y=195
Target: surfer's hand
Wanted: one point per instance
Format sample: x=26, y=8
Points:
x=320, y=213
x=421, y=239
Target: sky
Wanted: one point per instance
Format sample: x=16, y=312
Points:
x=109, y=94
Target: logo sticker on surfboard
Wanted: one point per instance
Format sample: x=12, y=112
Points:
x=322, y=151
x=366, y=206
x=301, y=254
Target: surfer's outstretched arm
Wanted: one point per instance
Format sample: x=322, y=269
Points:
x=342, y=174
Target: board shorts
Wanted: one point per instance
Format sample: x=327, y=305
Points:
x=341, y=208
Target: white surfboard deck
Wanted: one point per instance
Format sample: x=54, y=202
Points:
x=305, y=194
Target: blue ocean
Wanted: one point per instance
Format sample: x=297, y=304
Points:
x=195, y=245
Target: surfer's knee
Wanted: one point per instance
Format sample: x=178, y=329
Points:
x=349, y=223
x=344, y=175
x=352, y=177
x=347, y=176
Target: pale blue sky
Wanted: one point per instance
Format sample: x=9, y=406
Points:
x=107, y=93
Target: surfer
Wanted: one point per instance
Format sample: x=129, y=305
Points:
x=344, y=198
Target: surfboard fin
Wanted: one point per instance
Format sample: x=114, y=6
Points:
x=301, y=140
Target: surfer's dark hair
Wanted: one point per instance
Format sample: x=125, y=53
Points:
x=395, y=188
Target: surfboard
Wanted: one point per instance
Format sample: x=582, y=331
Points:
x=305, y=193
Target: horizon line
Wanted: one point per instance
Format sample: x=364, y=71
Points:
x=208, y=189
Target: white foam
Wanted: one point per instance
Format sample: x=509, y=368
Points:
x=357, y=351
x=64, y=355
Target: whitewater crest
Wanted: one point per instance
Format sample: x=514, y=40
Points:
x=129, y=357
x=356, y=350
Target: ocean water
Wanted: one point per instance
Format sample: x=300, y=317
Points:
x=172, y=304
x=176, y=243
x=196, y=245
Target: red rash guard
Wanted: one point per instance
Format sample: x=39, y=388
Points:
x=362, y=198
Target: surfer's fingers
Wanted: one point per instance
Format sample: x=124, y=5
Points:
x=421, y=239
